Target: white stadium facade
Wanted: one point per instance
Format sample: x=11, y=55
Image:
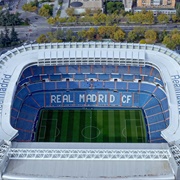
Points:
x=157, y=159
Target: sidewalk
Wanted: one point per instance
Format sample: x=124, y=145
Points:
x=64, y=7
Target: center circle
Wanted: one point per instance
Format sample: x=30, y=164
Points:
x=90, y=132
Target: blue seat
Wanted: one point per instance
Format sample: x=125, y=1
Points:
x=28, y=109
x=54, y=77
x=26, y=116
x=157, y=127
x=143, y=99
x=66, y=76
x=50, y=86
x=122, y=69
x=159, y=94
x=61, y=69
x=156, y=118
x=49, y=69
x=44, y=76
x=159, y=82
x=153, y=110
x=73, y=68
x=128, y=77
x=61, y=85
x=133, y=86
x=89, y=76
x=79, y=76
x=14, y=112
x=13, y=121
x=146, y=70
x=164, y=104
x=25, y=125
x=23, y=136
x=36, y=70
x=155, y=73
x=32, y=102
x=85, y=69
x=116, y=76
x=109, y=85
x=97, y=69
x=39, y=97
x=97, y=84
x=153, y=102
x=85, y=85
x=35, y=87
x=134, y=70
x=160, y=140
x=147, y=88
x=23, y=93
x=110, y=69
x=121, y=85
x=24, y=81
x=156, y=135
x=73, y=85
x=27, y=73
x=166, y=114
x=34, y=79
x=138, y=77
x=17, y=103
x=103, y=77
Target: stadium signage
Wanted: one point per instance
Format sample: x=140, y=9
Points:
x=176, y=82
x=90, y=98
x=3, y=87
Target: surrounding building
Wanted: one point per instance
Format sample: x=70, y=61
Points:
x=81, y=5
x=157, y=6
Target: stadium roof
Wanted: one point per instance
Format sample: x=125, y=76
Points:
x=88, y=161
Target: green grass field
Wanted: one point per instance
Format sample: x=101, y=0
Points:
x=91, y=126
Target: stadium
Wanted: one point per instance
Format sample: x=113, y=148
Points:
x=93, y=110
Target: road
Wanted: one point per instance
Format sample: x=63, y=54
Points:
x=126, y=28
x=30, y=33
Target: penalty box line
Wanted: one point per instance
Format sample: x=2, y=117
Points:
x=45, y=127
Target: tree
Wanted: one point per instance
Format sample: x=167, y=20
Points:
x=132, y=36
x=62, y=20
x=42, y=39
x=161, y=35
x=150, y=36
x=139, y=31
x=109, y=20
x=45, y=11
x=88, y=11
x=148, y=18
x=72, y=19
x=70, y=11
x=142, y=41
x=14, y=37
x=119, y=35
x=175, y=18
x=7, y=40
x=1, y=39
x=82, y=35
x=90, y=33
x=102, y=31
x=178, y=9
x=163, y=18
x=69, y=35
x=31, y=7
x=169, y=43
x=51, y=21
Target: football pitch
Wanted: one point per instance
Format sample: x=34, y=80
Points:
x=91, y=126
